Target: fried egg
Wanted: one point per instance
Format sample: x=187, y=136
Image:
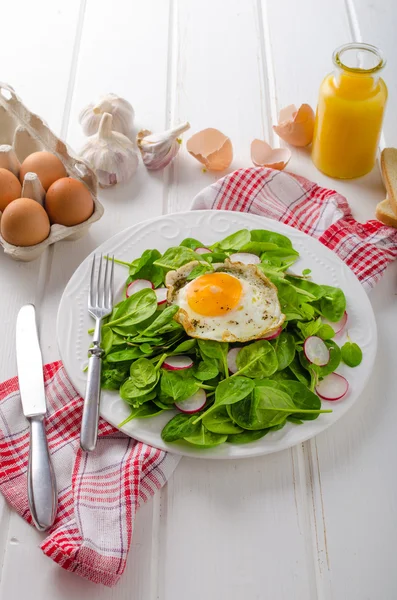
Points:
x=234, y=303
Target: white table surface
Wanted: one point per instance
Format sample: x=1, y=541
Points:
x=315, y=522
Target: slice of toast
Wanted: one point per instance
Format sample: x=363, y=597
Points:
x=388, y=162
x=385, y=213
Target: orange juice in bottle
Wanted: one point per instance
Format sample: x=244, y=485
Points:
x=350, y=111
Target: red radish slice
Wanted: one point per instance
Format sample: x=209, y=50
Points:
x=339, y=325
x=177, y=363
x=273, y=334
x=245, y=257
x=194, y=403
x=316, y=351
x=202, y=250
x=332, y=387
x=231, y=359
x=161, y=294
x=137, y=286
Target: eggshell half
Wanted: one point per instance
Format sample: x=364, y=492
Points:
x=296, y=127
x=263, y=155
x=212, y=148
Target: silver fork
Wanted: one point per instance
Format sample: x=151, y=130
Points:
x=100, y=305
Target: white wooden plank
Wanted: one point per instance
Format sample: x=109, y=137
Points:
x=350, y=498
x=228, y=521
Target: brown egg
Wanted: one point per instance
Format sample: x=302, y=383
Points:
x=46, y=165
x=10, y=188
x=24, y=223
x=68, y=202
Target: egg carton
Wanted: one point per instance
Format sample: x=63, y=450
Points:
x=28, y=133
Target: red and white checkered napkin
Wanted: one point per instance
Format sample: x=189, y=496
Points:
x=367, y=248
x=98, y=492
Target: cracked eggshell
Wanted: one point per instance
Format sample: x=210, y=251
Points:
x=296, y=126
x=212, y=148
x=263, y=155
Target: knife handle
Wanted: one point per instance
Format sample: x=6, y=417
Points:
x=42, y=493
x=89, y=423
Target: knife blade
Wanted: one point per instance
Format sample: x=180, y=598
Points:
x=42, y=494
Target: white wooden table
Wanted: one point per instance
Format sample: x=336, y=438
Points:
x=315, y=522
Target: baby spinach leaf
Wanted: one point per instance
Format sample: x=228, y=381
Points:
x=262, y=235
x=192, y=243
x=205, y=369
x=185, y=347
x=258, y=247
x=124, y=355
x=235, y=241
x=299, y=371
x=131, y=393
x=309, y=328
x=179, y=427
x=312, y=289
x=199, y=270
x=205, y=438
x=143, y=373
x=111, y=379
x=247, y=436
x=217, y=350
x=149, y=409
x=107, y=339
x=284, y=346
x=303, y=398
x=135, y=309
x=265, y=407
x=230, y=391
x=179, y=385
x=220, y=422
x=144, y=268
x=258, y=359
x=333, y=303
x=326, y=332
x=175, y=257
x=163, y=323
x=351, y=354
x=165, y=406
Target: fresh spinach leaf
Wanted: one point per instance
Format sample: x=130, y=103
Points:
x=149, y=409
x=163, y=323
x=220, y=422
x=175, y=257
x=216, y=350
x=258, y=248
x=135, y=395
x=205, y=438
x=205, y=369
x=178, y=385
x=198, y=270
x=284, y=346
x=235, y=241
x=124, y=355
x=332, y=305
x=144, y=268
x=262, y=235
x=351, y=354
x=185, y=347
x=111, y=379
x=107, y=339
x=258, y=359
x=299, y=371
x=303, y=398
x=135, y=309
x=143, y=373
x=179, y=427
x=192, y=243
x=247, y=436
x=230, y=391
x=326, y=332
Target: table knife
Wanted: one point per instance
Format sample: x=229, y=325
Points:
x=42, y=493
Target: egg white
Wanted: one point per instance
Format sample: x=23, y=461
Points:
x=257, y=313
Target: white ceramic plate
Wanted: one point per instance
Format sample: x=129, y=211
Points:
x=209, y=226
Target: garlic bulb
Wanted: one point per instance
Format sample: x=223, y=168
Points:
x=9, y=160
x=110, y=154
x=32, y=188
x=121, y=111
x=159, y=149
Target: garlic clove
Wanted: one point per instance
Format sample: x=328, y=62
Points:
x=212, y=148
x=159, y=149
x=296, y=127
x=120, y=109
x=32, y=188
x=111, y=154
x=263, y=155
x=9, y=160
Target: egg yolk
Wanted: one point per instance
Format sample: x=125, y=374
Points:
x=214, y=294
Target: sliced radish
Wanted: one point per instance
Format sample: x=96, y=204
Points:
x=316, y=351
x=231, y=359
x=245, y=257
x=137, y=286
x=339, y=325
x=161, y=294
x=273, y=334
x=202, y=250
x=332, y=387
x=194, y=403
x=177, y=363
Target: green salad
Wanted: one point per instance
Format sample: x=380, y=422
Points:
x=226, y=392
